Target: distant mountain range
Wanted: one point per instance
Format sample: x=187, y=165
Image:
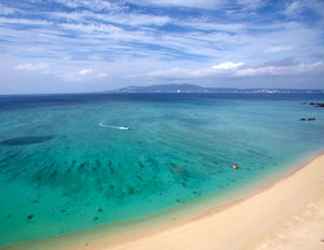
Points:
x=190, y=88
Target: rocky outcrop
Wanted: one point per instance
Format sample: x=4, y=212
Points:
x=308, y=119
x=317, y=104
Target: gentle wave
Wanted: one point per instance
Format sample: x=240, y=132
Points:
x=101, y=124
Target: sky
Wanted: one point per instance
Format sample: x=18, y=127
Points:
x=55, y=46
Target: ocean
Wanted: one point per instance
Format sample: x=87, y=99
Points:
x=72, y=162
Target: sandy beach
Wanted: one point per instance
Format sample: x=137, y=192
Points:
x=288, y=214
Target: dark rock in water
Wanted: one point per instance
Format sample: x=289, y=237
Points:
x=139, y=177
x=308, y=119
x=97, y=166
x=26, y=140
x=68, y=171
x=95, y=218
x=82, y=166
x=63, y=211
x=100, y=210
x=111, y=169
x=141, y=165
x=30, y=216
x=317, y=104
x=176, y=169
x=53, y=174
x=131, y=190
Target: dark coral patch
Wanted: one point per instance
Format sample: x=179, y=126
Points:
x=30, y=216
x=26, y=140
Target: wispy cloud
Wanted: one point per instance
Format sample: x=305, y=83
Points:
x=278, y=70
x=40, y=67
x=183, y=3
x=84, y=72
x=5, y=10
x=228, y=66
x=116, y=43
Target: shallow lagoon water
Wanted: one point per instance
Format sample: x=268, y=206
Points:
x=62, y=171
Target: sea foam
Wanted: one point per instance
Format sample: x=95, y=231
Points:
x=103, y=125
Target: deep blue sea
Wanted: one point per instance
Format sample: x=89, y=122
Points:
x=72, y=162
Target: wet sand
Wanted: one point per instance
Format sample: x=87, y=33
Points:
x=289, y=214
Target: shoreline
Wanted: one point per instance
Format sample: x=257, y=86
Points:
x=172, y=227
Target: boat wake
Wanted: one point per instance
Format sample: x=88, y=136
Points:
x=103, y=125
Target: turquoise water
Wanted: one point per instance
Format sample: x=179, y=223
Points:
x=72, y=162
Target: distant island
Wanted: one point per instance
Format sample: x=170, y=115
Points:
x=190, y=88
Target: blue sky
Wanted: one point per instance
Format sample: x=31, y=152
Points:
x=93, y=45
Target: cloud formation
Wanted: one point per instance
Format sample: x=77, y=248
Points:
x=32, y=67
x=86, y=45
x=228, y=66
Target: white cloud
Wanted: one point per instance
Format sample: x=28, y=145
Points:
x=230, y=70
x=275, y=70
x=84, y=72
x=294, y=7
x=95, y=43
x=32, y=67
x=277, y=49
x=5, y=10
x=252, y=4
x=102, y=75
x=72, y=73
x=6, y=20
x=115, y=17
x=222, y=69
x=183, y=3
x=227, y=66
x=90, y=28
x=96, y=5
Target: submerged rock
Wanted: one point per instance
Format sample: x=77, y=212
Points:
x=308, y=119
x=30, y=216
x=131, y=190
x=26, y=140
x=176, y=169
x=317, y=104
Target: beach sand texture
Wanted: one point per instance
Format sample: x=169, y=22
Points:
x=287, y=215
